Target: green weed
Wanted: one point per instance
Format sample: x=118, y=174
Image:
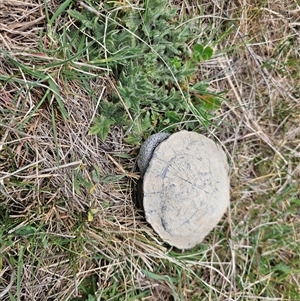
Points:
x=154, y=60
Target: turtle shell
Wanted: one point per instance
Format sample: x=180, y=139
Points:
x=186, y=188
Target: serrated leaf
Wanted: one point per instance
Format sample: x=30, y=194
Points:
x=139, y=127
x=132, y=139
x=96, y=175
x=282, y=268
x=173, y=116
x=101, y=126
x=77, y=15
x=176, y=62
x=200, y=87
x=112, y=178
x=152, y=63
x=25, y=230
x=123, y=156
x=207, y=102
x=188, y=69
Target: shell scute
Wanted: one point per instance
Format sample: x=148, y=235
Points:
x=186, y=188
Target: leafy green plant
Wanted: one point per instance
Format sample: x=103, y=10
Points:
x=154, y=60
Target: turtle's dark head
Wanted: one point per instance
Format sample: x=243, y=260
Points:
x=147, y=150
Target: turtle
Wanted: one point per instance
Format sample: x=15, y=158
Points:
x=185, y=186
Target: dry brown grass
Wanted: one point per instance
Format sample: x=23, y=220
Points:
x=258, y=63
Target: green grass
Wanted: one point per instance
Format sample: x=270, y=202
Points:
x=77, y=102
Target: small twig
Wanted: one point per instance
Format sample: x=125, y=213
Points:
x=23, y=26
x=18, y=3
x=21, y=169
x=55, y=168
x=61, y=166
x=91, y=9
x=96, y=108
x=12, y=278
x=130, y=175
